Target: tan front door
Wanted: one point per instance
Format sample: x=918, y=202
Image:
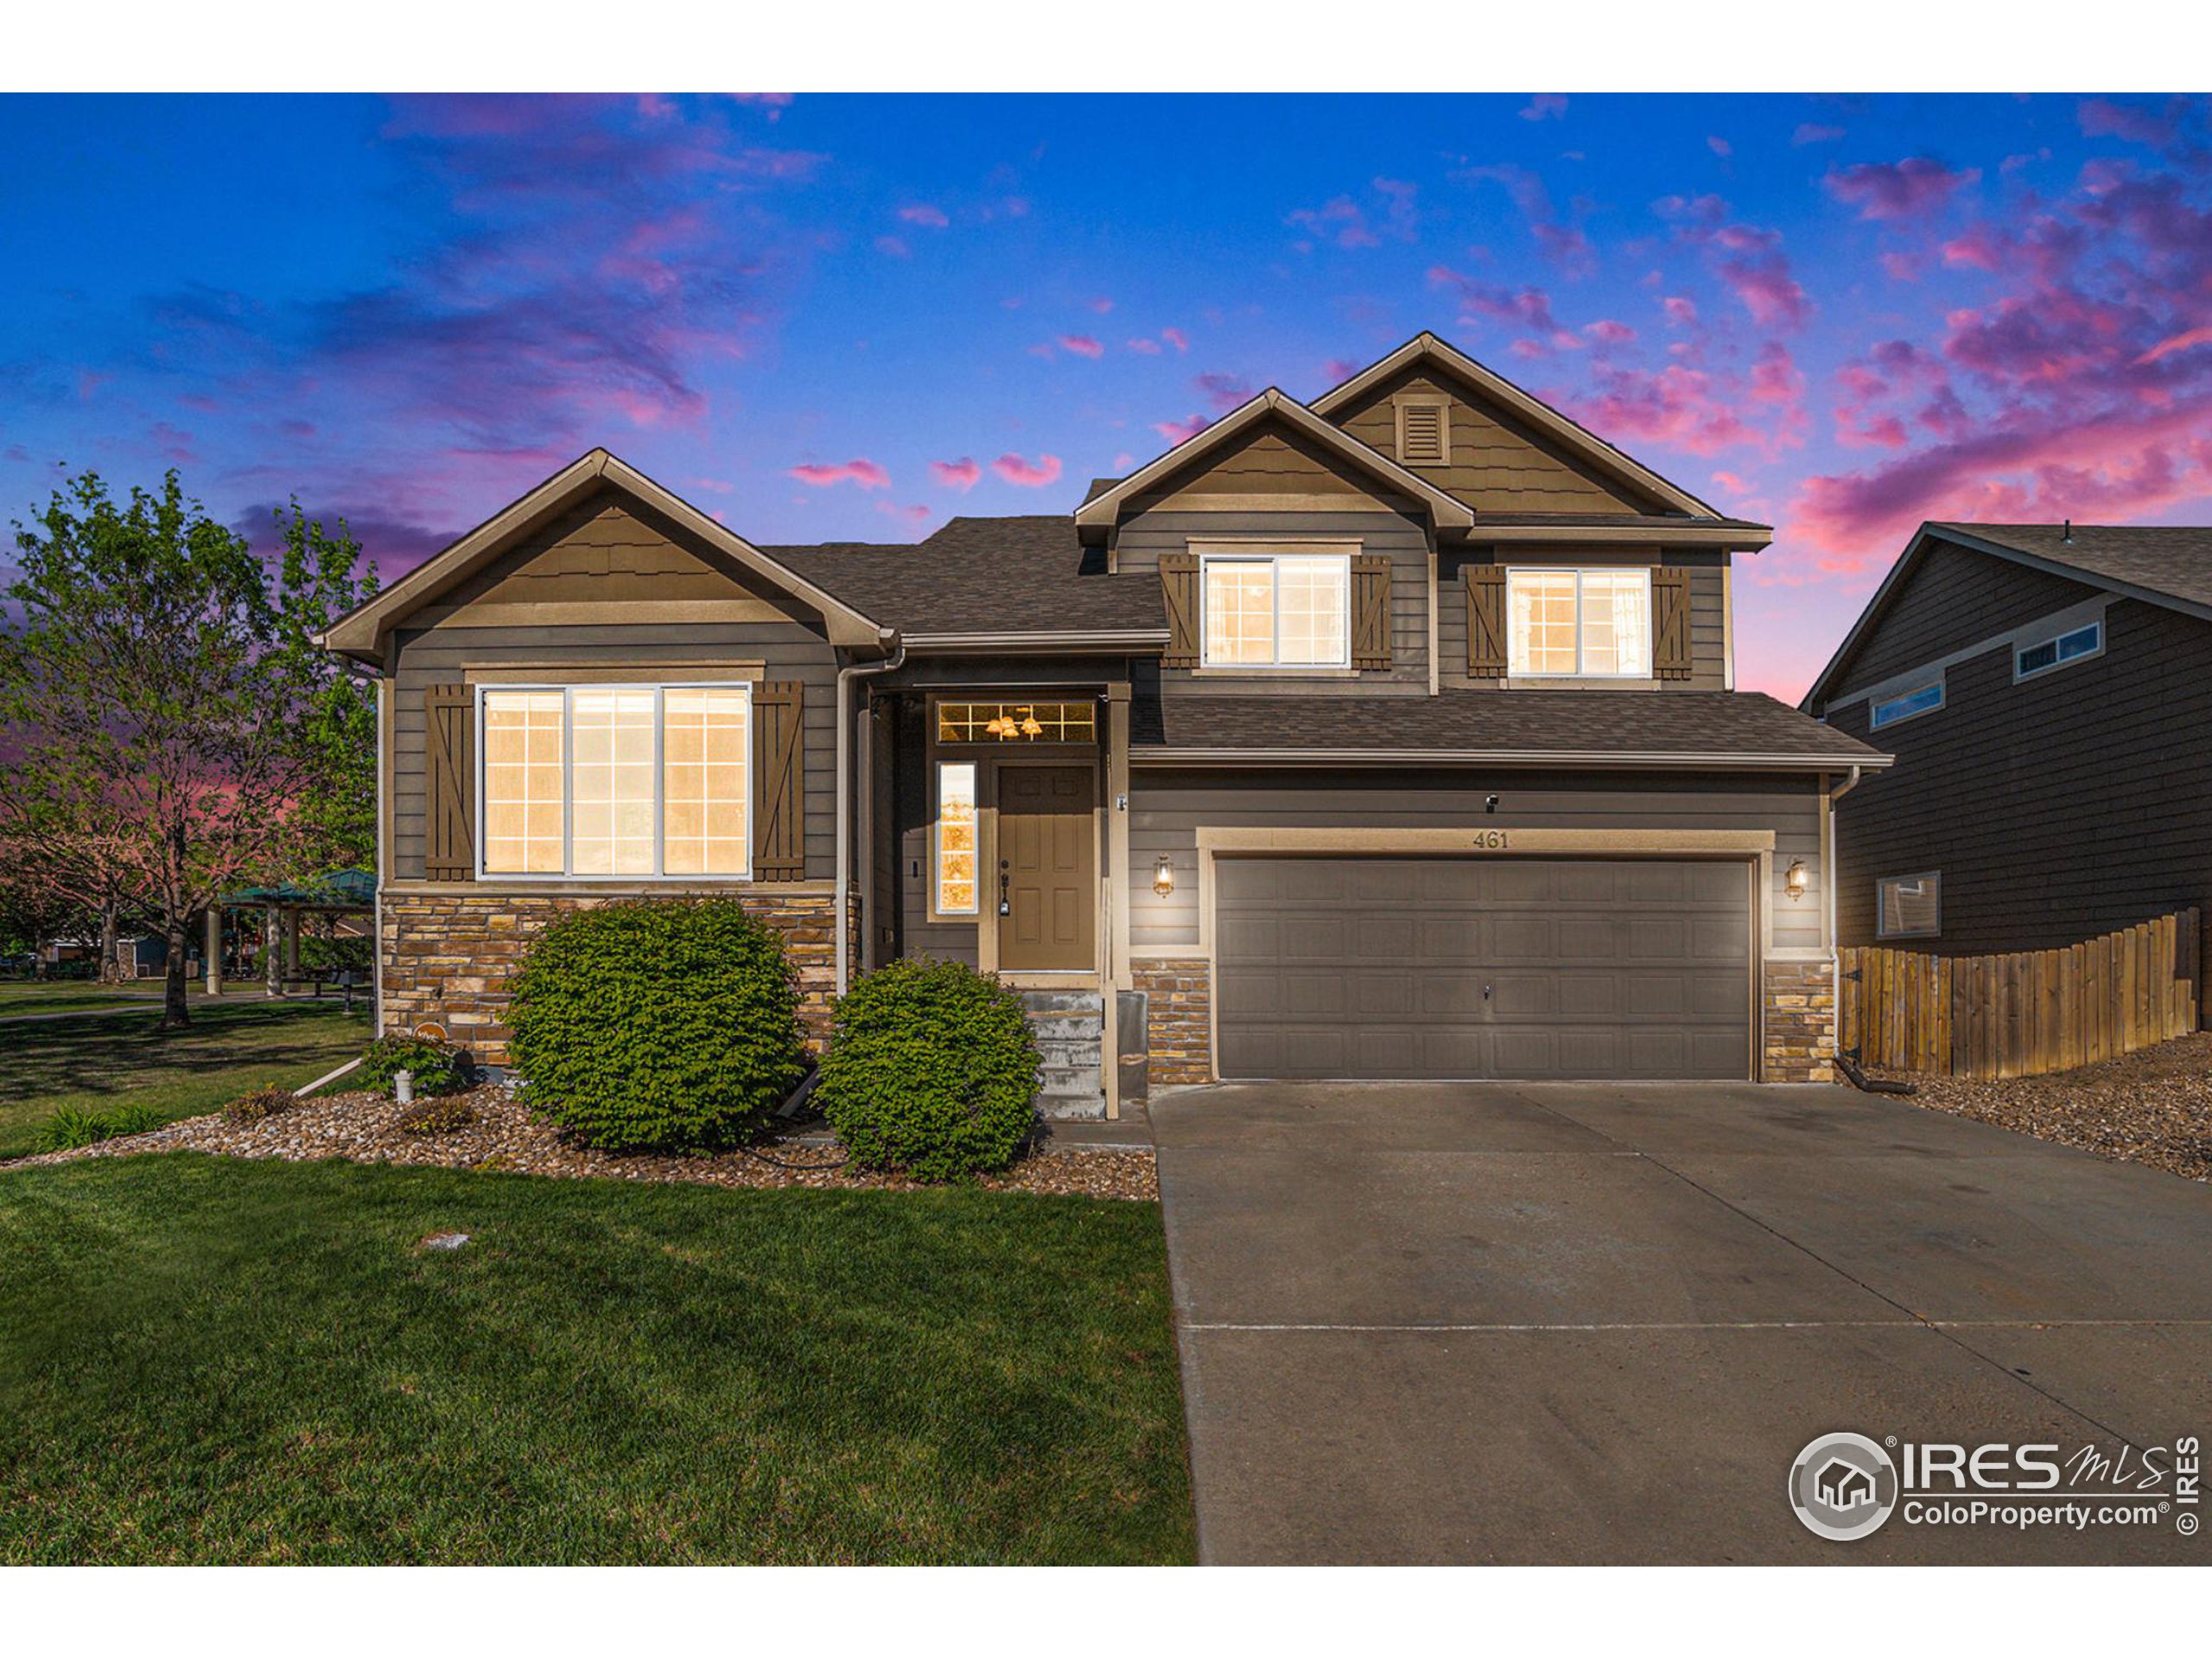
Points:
x=1048, y=868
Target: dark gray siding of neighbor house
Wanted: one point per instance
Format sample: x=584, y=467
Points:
x=1956, y=598
x=1167, y=805
x=441, y=655
x=2069, y=805
x=1143, y=537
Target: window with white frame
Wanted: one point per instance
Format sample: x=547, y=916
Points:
x=1893, y=707
x=1908, y=906
x=1579, y=624
x=2087, y=640
x=642, y=782
x=958, y=890
x=1277, y=610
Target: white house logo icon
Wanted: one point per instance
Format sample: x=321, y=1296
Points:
x=1843, y=1487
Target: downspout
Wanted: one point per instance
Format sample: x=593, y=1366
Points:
x=1827, y=889
x=843, y=885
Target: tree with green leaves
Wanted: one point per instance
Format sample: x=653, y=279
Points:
x=171, y=722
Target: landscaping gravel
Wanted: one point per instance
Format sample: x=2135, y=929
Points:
x=504, y=1136
x=2151, y=1107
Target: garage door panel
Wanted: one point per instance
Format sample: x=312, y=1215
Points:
x=1376, y=968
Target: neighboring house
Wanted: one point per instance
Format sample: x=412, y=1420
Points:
x=1387, y=736
x=2046, y=689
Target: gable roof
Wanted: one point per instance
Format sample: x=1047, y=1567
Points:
x=998, y=581
x=361, y=632
x=2167, y=565
x=1100, y=510
x=1426, y=347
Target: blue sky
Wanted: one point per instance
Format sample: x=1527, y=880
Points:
x=824, y=317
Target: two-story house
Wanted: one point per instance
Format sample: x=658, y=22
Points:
x=1388, y=736
x=2046, y=688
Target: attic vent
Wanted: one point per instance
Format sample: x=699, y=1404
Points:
x=1424, y=433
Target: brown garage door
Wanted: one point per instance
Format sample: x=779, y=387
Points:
x=1482, y=967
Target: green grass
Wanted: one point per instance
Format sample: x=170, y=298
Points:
x=68, y=997
x=101, y=1062
x=206, y=1360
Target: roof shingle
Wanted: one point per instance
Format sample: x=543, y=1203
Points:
x=2172, y=559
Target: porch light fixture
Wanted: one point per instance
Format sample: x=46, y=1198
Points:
x=1030, y=726
x=1163, y=877
x=1797, y=879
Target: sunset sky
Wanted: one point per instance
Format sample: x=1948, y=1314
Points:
x=823, y=317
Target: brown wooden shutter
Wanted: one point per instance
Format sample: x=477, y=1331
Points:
x=449, y=816
x=1670, y=623
x=1178, y=587
x=1485, y=621
x=1370, y=610
x=779, y=782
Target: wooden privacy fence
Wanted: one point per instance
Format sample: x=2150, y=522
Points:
x=2023, y=1015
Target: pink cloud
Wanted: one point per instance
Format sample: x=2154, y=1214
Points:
x=1082, y=346
x=821, y=476
x=1016, y=470
x=1224, y=391
x=1894, y=190
x=1341, y=369
x=1347, y=223
x=1607, y=332
x=1176, y=338
x=1562, y=242
x=1775, y=376
x=1184, y=430
x=2101, y=117
x=719, y=485
x=1544, y=107
x=1682, y=312
x=1810, y=133
x=1530, y=305
x=959, y=474
x=1680, y=407
x=1901, y=267
x=1734, y=484
x=1977, y=245
x=1747, y=259
x=923, y=213
x=1721, y=147
x=1147, y=347
x=916, y=514
x=2181, y=342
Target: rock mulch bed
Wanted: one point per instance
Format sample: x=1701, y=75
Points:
x=2151, y=1107
x=504, y=1136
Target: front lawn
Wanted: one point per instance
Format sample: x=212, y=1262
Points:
x=102, y=1061
x=212, y=1360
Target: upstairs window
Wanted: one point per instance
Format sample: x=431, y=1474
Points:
x=642, y=782
x=1277, y=610
x=1904, y=705
x=1579, y=624
x=1910, y=906
x=2087, y=640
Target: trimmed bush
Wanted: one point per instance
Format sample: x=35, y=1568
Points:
x=439, y=1068
x=670, y=1024
x=933, y=1071
x=262, y=1103
x=434, y=1117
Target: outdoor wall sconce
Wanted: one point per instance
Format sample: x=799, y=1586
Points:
x=1797, y=879
x=1163, y=877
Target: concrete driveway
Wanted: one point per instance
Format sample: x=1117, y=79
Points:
x=1598, y=1322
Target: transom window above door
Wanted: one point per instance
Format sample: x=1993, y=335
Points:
x=642, y=782
x=1579, y=624
x=1277, y=610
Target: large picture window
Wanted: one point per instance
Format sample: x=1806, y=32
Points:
x=957, y=851
x=1277, y=610
x=1579, y=624
x=640, y=782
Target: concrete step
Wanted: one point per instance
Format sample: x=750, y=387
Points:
x=1051, y=1002
x=1072, y=1109
x=1062, y=1080
x=1067, y=1028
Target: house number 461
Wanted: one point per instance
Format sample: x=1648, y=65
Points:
x=1491, y=841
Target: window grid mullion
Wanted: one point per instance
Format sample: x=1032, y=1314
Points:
x=568, y=780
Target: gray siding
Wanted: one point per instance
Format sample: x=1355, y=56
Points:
x=2069, y=805
x=1167, y=806
x=1142, y=538
x=443, y=654
x=1956, y=598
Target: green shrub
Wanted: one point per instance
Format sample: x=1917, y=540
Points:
x=70, y=1127
x=933, y=1070
x=349, y=952
x=434, y=1117
x=439, y=1068
x=136, y=1119
x=265, y=1101
x=659, y=1024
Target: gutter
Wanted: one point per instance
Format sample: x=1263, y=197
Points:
x=842, y=885
x=1122, y=639
x=1608, y=759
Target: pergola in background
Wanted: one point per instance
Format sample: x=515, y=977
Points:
x=342, y=893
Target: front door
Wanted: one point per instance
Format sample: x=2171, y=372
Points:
x=1048, y=869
